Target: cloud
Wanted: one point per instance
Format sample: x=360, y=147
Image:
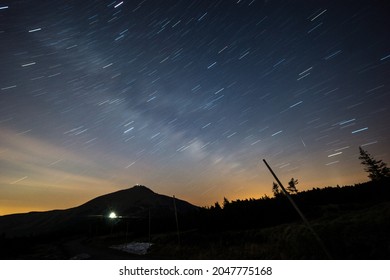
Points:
x=43, y=163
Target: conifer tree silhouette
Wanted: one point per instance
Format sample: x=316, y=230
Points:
x=292, y=186
x=377, y=169
x=275, y=190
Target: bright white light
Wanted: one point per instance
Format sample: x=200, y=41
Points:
x=112, y=215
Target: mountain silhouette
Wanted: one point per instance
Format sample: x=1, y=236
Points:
x=137, y=202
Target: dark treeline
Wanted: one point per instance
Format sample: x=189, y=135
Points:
x=315, y=203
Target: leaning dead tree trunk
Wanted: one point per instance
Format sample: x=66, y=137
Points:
x=311, y=229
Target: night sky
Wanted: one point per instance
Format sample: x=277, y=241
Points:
x=188, y=97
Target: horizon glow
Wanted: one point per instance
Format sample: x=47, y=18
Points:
x=187, y=99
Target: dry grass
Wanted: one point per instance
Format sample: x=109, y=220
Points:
x=363, y=234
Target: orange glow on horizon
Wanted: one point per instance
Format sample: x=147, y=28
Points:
x=41, y=176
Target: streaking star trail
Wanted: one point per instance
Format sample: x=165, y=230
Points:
x=186, y=97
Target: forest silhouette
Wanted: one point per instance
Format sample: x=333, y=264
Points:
x=353, y=222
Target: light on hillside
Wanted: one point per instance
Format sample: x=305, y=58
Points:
x=112, y=215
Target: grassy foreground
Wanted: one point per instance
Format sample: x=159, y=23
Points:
x=358, y=234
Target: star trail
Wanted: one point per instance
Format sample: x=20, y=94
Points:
x=188, y=97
